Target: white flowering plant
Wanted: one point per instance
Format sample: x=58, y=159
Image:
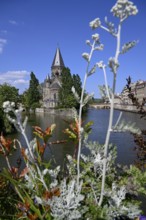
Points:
x=93, y=186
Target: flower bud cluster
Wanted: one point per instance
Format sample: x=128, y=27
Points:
x=16, y=118
x=95, y=23
x=100, y=47
x=95, y=37
x=124, y=8
x=100, y=64
x=88, y=43
x=113, y=64
x=8, y=106
x=12, y=120
x=85, y=56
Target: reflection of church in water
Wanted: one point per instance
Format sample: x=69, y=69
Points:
x=52, y=83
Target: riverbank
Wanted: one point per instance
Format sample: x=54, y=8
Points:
x=69, y=112
x=121, y=107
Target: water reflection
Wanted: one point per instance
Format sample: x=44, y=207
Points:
x=45, y=120
x=124, y=141
x=58, y=150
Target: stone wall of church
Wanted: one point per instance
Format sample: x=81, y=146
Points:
x=50, y=97
x=61, y=112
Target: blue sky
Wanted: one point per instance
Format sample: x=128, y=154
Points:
x=31, y=30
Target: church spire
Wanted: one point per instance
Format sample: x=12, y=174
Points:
x=58, y=63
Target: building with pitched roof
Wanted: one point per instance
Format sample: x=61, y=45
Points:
x=52, y=83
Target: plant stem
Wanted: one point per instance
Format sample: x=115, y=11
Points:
x=41, y=178
x=80, y=113
x=118, y=120
x=6, y=157
x=31, y=153
x=27, y=142
x=106, y=84
x=110, y=118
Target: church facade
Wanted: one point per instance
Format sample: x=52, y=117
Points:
x=52, y=83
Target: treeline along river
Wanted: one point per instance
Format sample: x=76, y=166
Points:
x=126, y=154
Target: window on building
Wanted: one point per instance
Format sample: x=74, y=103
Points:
x=55, y=96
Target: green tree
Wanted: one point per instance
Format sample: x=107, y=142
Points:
x=66, y=97
x=7, y=93
x=104, y=94
x=24, y=99
x=77, y=83
x=32, y=96
x=78, y=86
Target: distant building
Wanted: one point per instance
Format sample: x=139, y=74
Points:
x=117, y=99
x=52, y=83
x=138, y=89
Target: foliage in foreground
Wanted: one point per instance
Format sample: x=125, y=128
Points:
x=8, y=199
x=46, y=193
x=7, y=92
x=29, y=99
x=92, y=186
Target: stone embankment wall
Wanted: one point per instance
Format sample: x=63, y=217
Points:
x=62, y=112
x=129, y=108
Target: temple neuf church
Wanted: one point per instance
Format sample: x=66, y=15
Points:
x=52, y=83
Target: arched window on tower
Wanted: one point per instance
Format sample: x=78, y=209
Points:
x=54, y=96
x=57, y=73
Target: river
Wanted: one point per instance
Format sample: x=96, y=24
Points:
x=124, y=141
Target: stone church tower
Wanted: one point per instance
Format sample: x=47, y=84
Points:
x=52, y=83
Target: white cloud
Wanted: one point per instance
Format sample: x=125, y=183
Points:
x=2, y=44
x=18, y=74
x=4, y=31
x=19, y=79
x=13, y=22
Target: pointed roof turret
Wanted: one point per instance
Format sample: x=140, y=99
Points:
x=58, y=60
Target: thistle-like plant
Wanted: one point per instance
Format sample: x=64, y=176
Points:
x=122, y=10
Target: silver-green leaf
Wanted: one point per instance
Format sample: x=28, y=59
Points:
x=126, y=47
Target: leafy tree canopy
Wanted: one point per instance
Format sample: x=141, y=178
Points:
x=66, y=97
x=8, y=93
x=32, y=96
